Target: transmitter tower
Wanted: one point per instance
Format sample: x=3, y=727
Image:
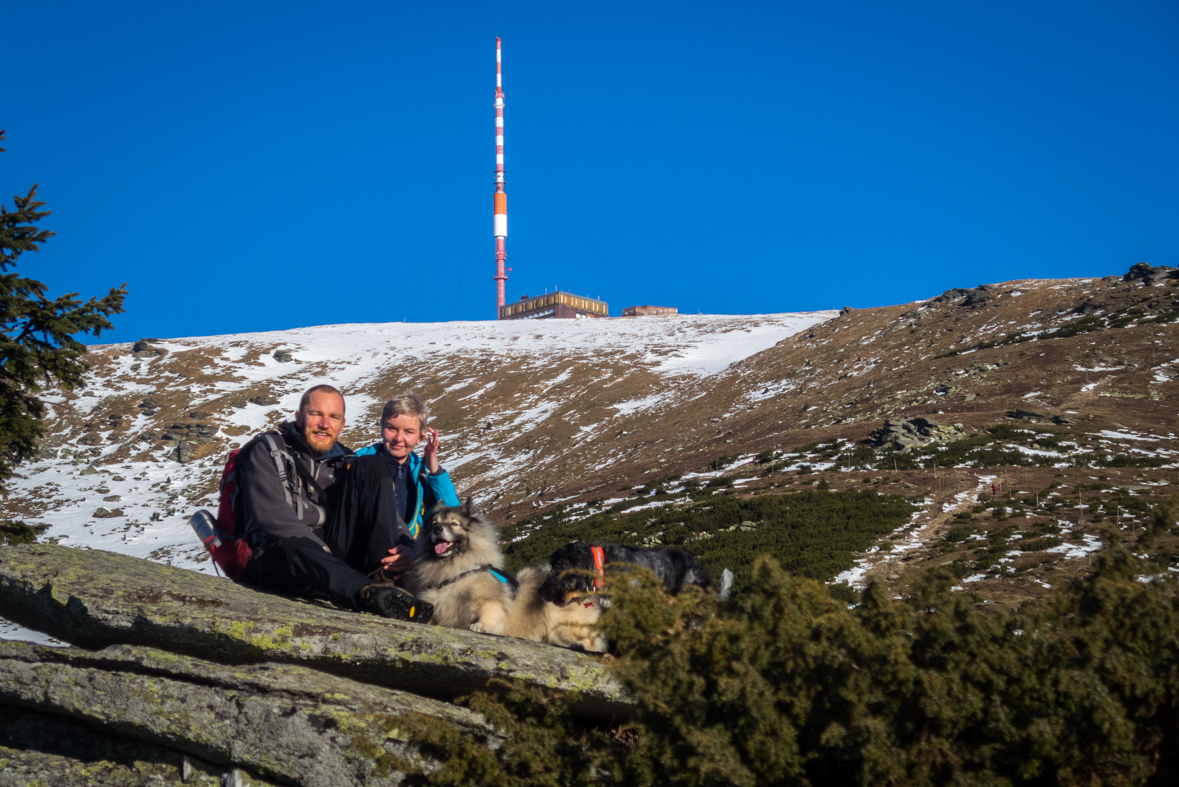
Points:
x=501, y=197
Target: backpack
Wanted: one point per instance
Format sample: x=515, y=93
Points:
x=232, y=553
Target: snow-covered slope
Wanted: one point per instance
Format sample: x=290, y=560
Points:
x=492, y=386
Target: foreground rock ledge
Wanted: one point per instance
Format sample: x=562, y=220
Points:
x=286, y=723
x=94, y=599
x=38, y=749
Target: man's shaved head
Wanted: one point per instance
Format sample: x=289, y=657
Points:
x=325, y=388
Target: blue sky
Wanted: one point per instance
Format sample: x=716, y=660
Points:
x=257, y=166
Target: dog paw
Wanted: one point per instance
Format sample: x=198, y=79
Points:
x=479, y=627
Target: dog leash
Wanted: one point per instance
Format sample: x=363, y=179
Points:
x=599, y=566
x=504, y=578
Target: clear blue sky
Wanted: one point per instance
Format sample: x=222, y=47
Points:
x=255, y=166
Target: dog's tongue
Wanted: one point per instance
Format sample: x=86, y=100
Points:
x=441, y=547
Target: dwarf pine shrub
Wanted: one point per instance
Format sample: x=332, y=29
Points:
x=811, y=533
x=788, y=686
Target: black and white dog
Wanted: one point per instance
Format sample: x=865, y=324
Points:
x=673, y=567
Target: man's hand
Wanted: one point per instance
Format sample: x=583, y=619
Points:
x=431, y=457
x=399, y=560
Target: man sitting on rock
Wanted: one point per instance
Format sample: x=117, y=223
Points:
x=322, y=521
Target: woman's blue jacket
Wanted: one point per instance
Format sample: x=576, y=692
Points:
x=436, y=489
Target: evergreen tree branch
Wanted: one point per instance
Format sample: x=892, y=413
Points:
x=37, y=344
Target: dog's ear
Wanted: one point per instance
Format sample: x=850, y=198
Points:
x=468, y=508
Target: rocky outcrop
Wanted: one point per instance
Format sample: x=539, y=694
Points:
x=143, y=349
x=177, y=677
x=96, y=599
x=951, y=295
x=176, y=434
x=284, y=723
x=149, y=406
x=907, y=433
x=183, y=439
x=977, y=298
x=1149, y=274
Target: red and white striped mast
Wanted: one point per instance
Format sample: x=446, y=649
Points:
x=501, y=197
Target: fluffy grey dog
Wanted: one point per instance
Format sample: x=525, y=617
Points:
x=458, y=567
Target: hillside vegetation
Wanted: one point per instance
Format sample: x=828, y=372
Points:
x=789, y=686
x=813, y=533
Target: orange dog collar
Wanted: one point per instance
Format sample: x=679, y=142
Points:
x=599, y=565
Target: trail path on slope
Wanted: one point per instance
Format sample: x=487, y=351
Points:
x=959, y=489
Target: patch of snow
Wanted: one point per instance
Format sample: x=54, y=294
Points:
x=1091, y=544
x=1127, y=436
x=853, y=576
x=959, y=499
x=9, y=630
x=636, y=405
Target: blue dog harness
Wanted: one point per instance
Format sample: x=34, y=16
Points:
x=495, y=572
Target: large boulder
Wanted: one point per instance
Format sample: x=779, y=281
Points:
x=289, y=724
x=908, y=433
x=95, y=599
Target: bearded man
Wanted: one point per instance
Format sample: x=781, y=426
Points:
x=322, y=521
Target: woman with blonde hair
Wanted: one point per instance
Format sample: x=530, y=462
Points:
x=421, y=482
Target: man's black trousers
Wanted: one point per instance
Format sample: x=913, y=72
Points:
x=363, y=525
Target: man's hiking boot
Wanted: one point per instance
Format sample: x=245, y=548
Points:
x=393, y=602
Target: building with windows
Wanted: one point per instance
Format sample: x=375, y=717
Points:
x=649, y=311
x=557, y=305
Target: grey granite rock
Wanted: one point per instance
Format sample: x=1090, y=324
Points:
x=94, y=599
x=285, y=723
